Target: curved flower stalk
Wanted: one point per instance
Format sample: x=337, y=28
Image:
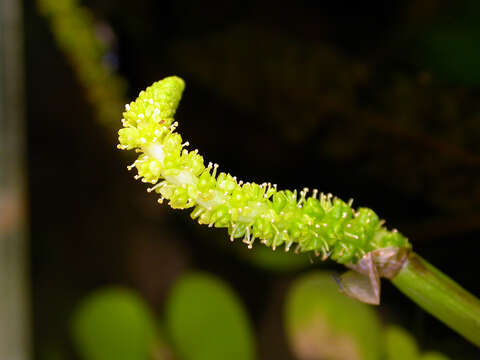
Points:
x=320, y=223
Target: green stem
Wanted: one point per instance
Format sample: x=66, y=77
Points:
x=440, y=296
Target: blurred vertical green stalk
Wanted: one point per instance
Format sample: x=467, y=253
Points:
x=14, y=318
x=87, y=42
x=440, y=296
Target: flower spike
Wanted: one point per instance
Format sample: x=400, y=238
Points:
x=319, y=223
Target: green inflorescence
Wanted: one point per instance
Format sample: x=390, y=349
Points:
x=320, y=223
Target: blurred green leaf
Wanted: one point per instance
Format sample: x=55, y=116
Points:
x=277, y=261
x=452, y=53
x=433, y=356
x=449, y=47
x=322, y=323
x=207, y=321
x=113, y=323
x=52, y=352
x=400, y=345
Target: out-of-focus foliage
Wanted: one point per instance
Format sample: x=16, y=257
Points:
x=276, y=261
x=206, y=320
x=449, y=46
x=114, y=323
x=322, y=323
x=400, y=344
x=279, y=261
x=433, y=356
x=89, y=46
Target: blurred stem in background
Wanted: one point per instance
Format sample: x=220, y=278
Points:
x=14, y=322
x=89, y=45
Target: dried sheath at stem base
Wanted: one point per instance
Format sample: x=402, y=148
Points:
x=363, y=281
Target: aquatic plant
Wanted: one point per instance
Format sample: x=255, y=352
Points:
x=320, y=223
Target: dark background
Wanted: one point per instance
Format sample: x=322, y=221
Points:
x=376, y=101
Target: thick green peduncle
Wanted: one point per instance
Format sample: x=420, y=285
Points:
x=440, y=296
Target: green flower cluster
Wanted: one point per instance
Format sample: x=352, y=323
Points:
x=78, y=35
x=320, y=223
